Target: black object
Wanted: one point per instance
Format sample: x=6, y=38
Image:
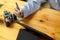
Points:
x=24, y=0
x=36, y=32
x=21, y=14
x=25, y=35
x=9, y=18
x=17, y=6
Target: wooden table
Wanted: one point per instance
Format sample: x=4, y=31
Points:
x=44, y=20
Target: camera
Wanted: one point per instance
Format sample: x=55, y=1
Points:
x=9, y=18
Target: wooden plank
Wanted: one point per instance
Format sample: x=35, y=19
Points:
x=9, y=33
x=8, y=1
x=2, y=38
x=45, y=20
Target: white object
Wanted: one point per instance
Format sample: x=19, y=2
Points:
x=30, y=7
x=55, y=4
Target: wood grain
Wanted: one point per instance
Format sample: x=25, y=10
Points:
x=44, y=20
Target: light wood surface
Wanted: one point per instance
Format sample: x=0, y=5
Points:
x=9, y=33
x=50, y=24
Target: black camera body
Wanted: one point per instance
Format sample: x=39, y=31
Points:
x=9, y=18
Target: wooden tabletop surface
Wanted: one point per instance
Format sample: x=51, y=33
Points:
x=44, y=20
